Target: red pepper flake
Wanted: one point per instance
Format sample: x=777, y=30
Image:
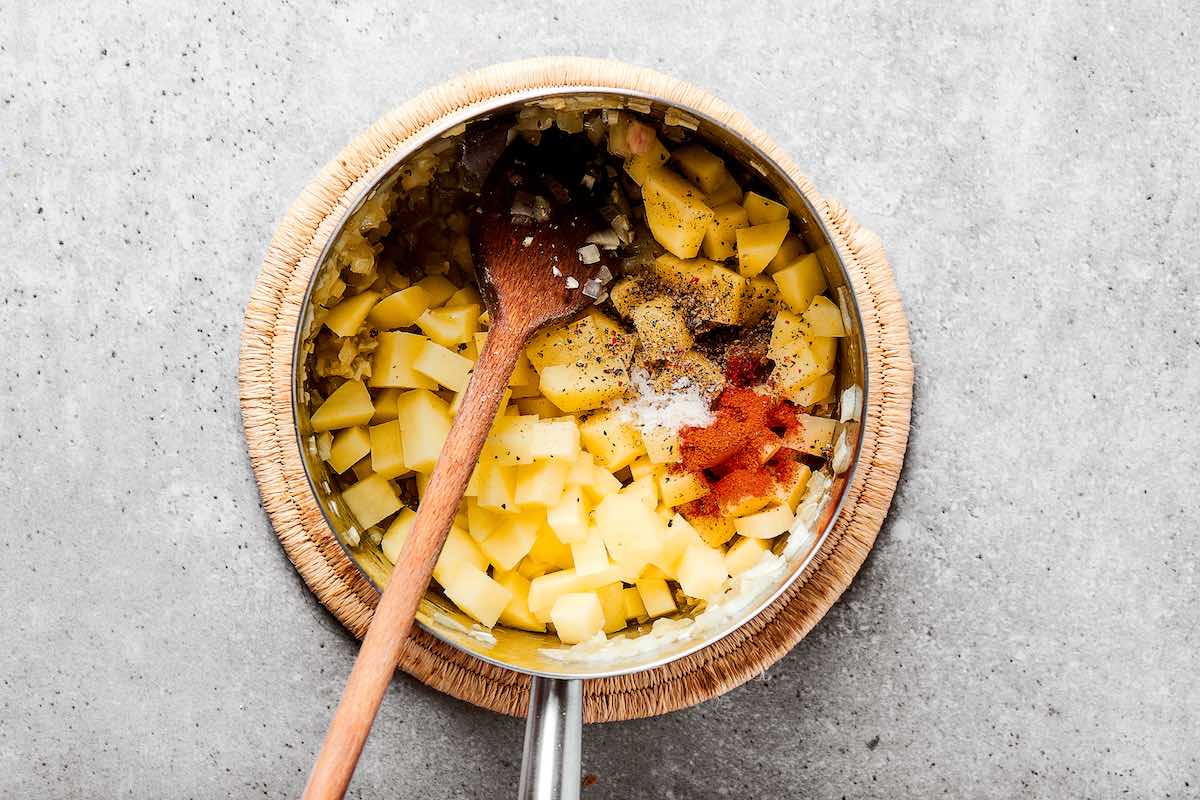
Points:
x=745, y=367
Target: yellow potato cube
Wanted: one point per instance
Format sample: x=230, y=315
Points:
x=513, y=540
x=603, y=483
x=675, y=212
x=788, y=492
x=656, y=597
x=400, y=309
x=497, y=486
x=824, y=318
x=582, y=470
x=679, y=275
x=695, y=367
x=640, y=165
x=795, y=370
x=538, y=407
x=725, y=294
x=392, y=364
x=444, y=366
x=568, y=518
x=541, y=483
x=362, y=469
x=589, y=554
x=466, y=296
x=612, y=601
x=812, y=435
x=661, y=444
x=624, y=294
x=549, y=550
x=727, y=192
x=348, y=316
x=701, y=167
x=424, y=423
x=632, y=600
x=349, y=405
x=758, y=244
x=819, y=391
x=762, y=295
x=438, y=289
x=387, y=450
x=371, y=500
x=632, y=532
x=661, y=328
x=714, y=530
x=800, y=282
x=516, y=614
x=744, y=554
x=577, y=617
x=459, y=550
x=679, y=486
x=789, y=252
x=701, y=571
x=787, y=334
x=385, y=405
x=523, y=439
x=762, y=209
x=531, y=568
x=450, y=326
x=477, y=595
x=644, y=489
x=720, y=240
x=397, y=533
x=824, y=350
x=546, y=589
x=482, y=522
x=641, y=466
x=349, y=446
x=680, y=536
x=576, y=388
x=614, y=442
x=766, y=524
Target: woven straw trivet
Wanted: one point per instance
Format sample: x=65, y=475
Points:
x=265, y=376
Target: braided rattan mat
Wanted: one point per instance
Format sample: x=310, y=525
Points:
x=265, y=375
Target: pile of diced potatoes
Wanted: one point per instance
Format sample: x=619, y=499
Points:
x=571, y=517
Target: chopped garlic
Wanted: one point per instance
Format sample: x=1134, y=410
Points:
x=589, y=254
x=571, y=282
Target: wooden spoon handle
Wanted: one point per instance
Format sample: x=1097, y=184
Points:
x=393, y=617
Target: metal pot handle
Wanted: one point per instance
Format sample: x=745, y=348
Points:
x=550, y=766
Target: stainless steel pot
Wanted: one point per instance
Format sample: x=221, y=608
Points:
x=551, y=764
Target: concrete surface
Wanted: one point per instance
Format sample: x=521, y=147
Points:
x=1027, y=626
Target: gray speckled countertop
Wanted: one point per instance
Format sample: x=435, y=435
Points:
x=1027, y=625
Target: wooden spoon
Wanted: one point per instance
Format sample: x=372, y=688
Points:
x=530, y=275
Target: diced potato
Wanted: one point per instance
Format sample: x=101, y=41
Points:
x=632, y=600
x=460, y=549
x=349, y=446
x=824, y=318
x=502, y=408
x=613, y=602
x=656, y=597
x=443, y=365
x=639, y=166
x=661, y=444
x=681, y=275
x=482, y=522
x=582, y=470
x=385, y=405
x=397, y=533
x=614, y=442
x=588, y=339
x=632, y=532
x=538, y=407
x=680, y=536
x=812, y=435
x=424, y=423
x=681, y=486
x=766, y=524
x=624, y=293
x=661, y=328
x=641, y=466
x=349, y=405
x=466, y=296
x=371, y=500
x=824, y=350
x=603, y=323
x=695, y=367
x=513, y=540
x=392, y=364
x=497, y=486
x=714, y=530
x=362, y=468
x=701, y=167
x=400, y=309
x=546, y=589
x=575, y=388
x=450, y=326
x=734, y=505
x=800, y=282
x=744, y=554
x=438, y=289
x=476, y=594
x=589, y=554
x=819, y=391
x=568, y=518
x=795, y=370
x=727, y=192
x=762, y=295
x=790, y=251
x=644, y=489
x=725, y=293
x=577, y=617
x=701, y=571
x=789, y=490
x=348, y=316
x=387, y=450
x=787, y=332
x=720, y=240
x=758, y=244
x=541, y=483
x=762, y=209
x=531, y=568
x=549, y=550
x=675, y=212
x=603, y=483
x=516, y=613
x=523, y=439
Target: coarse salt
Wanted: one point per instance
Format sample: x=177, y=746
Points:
x=684, y=405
